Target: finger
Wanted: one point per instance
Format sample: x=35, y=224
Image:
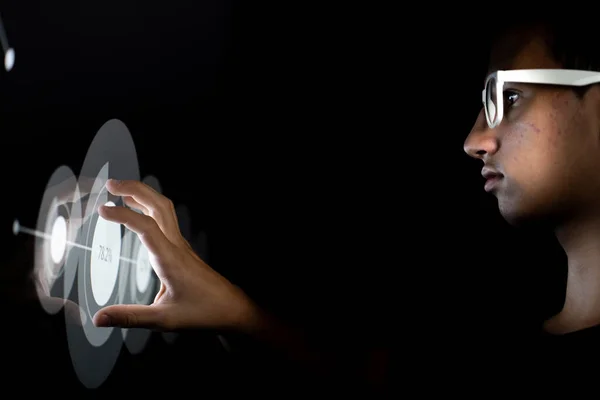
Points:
x=130, y=201
x=145, y=227
x=130, y=316
x=161, y=291
x=159, y=207
x=142, y=193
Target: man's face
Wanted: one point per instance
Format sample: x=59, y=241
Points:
x=547, y=148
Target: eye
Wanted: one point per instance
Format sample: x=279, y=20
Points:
x=510, y=98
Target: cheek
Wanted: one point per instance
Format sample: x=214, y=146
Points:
x=533, y=153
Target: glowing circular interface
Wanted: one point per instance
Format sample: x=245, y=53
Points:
x=58, y=239
x=9, y=59
x=143, y=271
x=104, y=263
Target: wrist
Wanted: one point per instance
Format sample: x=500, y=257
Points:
x=248, y=318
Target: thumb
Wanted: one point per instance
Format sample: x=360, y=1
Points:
x=129, y=316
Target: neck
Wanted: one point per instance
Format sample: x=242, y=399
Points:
x=580, y=239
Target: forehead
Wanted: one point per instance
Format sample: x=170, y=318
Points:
x=522, y=48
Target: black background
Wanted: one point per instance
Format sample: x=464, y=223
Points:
x=320, y=150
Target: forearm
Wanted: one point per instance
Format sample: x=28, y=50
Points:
x=359, y=367
x=321, y=360
x=287, y=341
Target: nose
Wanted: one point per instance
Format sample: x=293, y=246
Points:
x=482, y=140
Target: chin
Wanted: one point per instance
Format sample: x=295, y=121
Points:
x=521, y=217
x=516, y=213
x=515, y=220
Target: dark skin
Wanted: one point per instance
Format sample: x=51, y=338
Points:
x=547, y=149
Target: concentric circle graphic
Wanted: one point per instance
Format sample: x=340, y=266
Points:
x=51, y=248
x=58, y=239
x=143, y=283
x=83, y=263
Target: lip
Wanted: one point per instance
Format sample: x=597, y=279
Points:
x=491, y=183
x=492, y=178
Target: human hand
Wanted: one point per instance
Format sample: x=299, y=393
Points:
x=191, y=294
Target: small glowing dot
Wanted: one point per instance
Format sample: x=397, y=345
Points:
x=58, y=240
x=9, y=59
x=16, y=227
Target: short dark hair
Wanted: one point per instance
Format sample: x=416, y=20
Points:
x=574, y=44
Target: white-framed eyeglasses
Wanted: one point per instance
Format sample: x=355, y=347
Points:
x=493, y=92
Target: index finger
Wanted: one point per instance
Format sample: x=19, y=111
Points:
x=140, y=192
x=145, y=227
x=159, y=207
